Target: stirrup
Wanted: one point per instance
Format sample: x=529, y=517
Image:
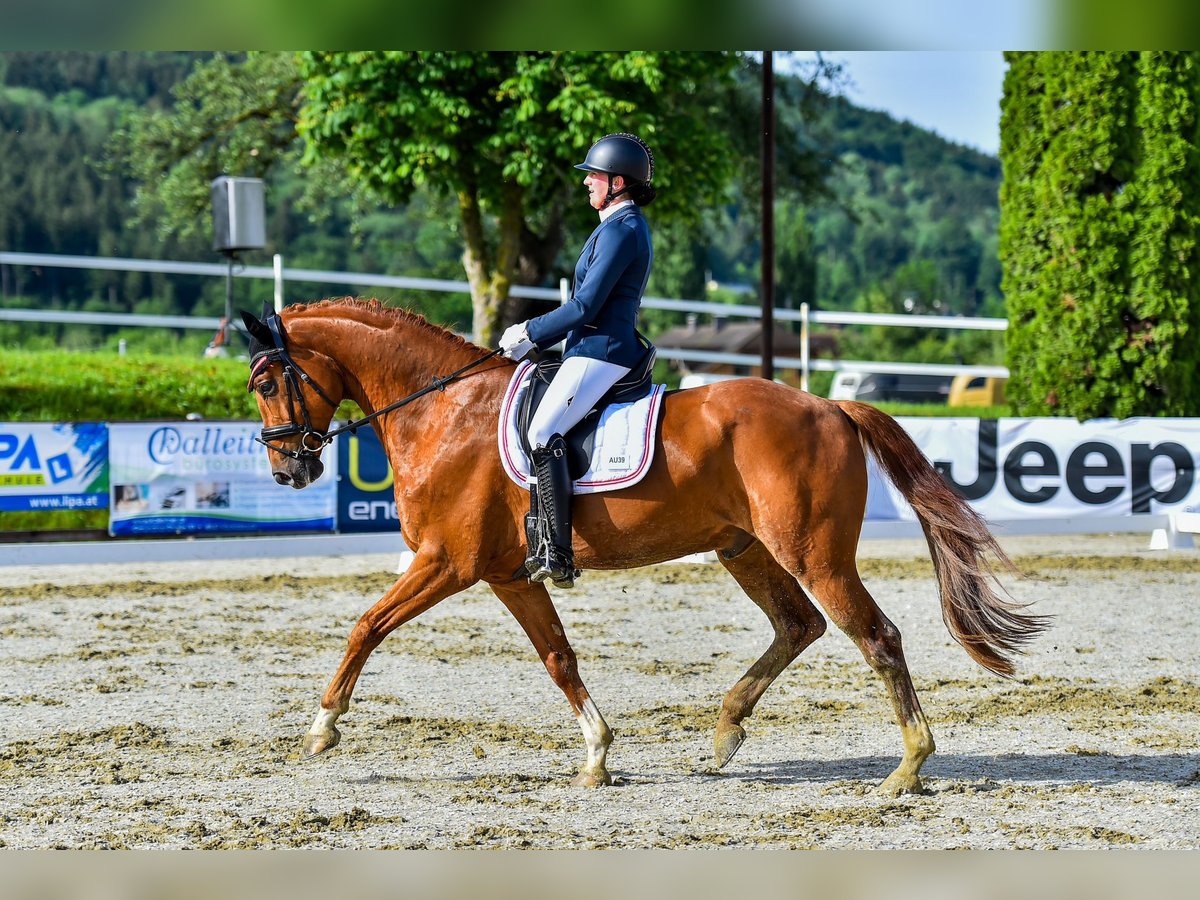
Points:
x=553, y=564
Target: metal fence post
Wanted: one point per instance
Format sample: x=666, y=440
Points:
x=804, y=346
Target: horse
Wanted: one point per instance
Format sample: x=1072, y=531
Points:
x=771, y=478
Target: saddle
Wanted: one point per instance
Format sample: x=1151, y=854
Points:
x=581, y=438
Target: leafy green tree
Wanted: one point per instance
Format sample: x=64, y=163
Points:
x=236, y=114
x=231, y=115
x=1100, y=220
x=499, y=131
x=495, y=134
x=795, y=256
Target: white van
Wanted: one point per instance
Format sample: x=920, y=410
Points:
x=699, y=379
x=845, y=385
x=879, y=386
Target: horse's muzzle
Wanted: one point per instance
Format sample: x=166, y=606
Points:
x=300, y=473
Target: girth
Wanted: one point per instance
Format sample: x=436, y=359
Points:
x=582, y=438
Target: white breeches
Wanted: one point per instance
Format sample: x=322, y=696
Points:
x=576, y=387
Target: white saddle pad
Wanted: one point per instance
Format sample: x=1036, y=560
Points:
x=624, y=445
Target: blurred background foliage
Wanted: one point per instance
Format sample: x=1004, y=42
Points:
x=872, y=213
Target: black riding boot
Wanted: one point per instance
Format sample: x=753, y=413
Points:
x=553, y=558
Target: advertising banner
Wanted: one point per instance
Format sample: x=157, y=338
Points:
x=208, y=478
x=49, y=466
x=1011, y=469
x=213, y=478
x=366, y=501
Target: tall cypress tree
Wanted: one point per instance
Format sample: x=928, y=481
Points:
x=1164, y=292
x=1100, y=215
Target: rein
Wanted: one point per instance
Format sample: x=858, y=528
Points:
x=312, y=441
x=439, y=384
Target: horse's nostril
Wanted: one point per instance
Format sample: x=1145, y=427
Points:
x=283, y=478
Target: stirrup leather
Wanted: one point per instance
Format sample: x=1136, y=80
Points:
x=550, y=554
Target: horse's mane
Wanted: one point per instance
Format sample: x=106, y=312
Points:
x=377, y=308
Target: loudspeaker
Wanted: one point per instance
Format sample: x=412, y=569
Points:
x=239, y=221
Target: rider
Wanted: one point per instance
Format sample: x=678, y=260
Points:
x=598, y=322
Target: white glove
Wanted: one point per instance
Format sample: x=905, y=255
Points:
x=515, y=342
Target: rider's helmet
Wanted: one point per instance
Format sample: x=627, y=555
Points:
x=621, y=154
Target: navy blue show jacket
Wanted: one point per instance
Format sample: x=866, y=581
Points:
x=599, y=321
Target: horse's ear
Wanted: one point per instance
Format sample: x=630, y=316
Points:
x=257, y=329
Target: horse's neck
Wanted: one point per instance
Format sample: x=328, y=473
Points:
x=385, y=359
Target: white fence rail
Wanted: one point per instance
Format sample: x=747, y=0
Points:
x=281, y=275
x=62, y=317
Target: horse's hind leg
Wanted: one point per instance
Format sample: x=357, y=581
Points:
x=531, y=606
x=797, y=624
x=842, y=594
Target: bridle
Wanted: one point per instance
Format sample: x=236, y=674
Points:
x=312, y=440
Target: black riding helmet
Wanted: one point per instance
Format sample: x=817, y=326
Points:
x=620, y=154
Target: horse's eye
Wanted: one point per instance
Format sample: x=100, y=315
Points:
x=267, y=388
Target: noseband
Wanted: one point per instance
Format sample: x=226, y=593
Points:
x=312, y=441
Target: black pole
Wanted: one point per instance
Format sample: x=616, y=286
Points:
x=768, y=215
x=228, y=301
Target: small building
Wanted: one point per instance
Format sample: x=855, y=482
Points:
x=745, y=337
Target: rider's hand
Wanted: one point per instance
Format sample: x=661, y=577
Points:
x=515, y=343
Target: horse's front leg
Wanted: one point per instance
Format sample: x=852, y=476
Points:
x=427, y=581
x=530, y=604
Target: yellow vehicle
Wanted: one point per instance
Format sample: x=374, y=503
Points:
x=976, y=390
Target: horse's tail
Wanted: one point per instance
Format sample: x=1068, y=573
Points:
x=990, y=628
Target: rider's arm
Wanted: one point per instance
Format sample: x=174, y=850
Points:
x=616, y=249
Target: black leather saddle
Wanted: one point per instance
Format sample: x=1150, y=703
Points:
x=582, y=438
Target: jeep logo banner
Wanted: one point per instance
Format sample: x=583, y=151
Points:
x=1054, y=468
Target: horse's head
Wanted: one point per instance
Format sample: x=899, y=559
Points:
x=298, y=390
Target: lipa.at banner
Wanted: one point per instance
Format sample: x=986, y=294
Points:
x=1013, y=469
x=208, y=478
x=48, y=466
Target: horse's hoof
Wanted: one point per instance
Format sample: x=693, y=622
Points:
x=899, y=783
x=591, y=779
x=315, y=744
x=726, y=743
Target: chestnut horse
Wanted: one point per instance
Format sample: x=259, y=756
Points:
x=772, y=478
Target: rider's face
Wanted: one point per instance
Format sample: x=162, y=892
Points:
x=597, y=185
